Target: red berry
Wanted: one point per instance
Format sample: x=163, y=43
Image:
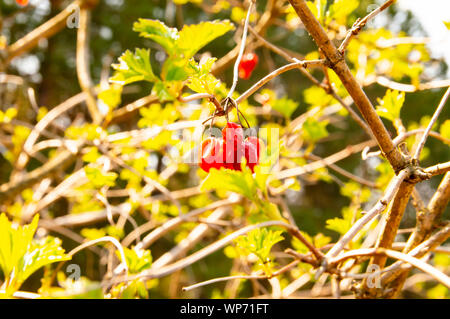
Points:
x=229, y=151
x=211, y=154
x=251, y=155
x=252, y=146
x=22, y=2
x=257, y=143
x=233, y=132
x=232, y=155
x=247, y=65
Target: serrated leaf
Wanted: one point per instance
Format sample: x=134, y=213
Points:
x=133, y=68
x=41, y=253
x=271, y=210
x=174, y=70
x=339, y=225
x=339, y=10
x=314, y=130
x=285, y=106
x=137, y=259
x=20, y=256
x=230, y=180
x=99, y=178
x=158, y=32
x=260, y=242
x=112, y=96
x=390, y=106
x=194, y=37
x=162, y=91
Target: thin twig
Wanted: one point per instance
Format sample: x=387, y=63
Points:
x=361, y=23
x=241, y=51
x=439, y=276
x=431, y=124
x=274, y=74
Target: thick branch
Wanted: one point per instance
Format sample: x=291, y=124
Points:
x=337, y=63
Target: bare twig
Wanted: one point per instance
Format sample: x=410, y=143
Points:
x=241, y=51
x=436, y=274
x=361, y=23
x=274, y=74
x=83, y=72
x=431, y=124
x=337, y=62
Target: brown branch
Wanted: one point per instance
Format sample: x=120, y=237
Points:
x=12, y=188
x=337, y=62
x=345, y=173
x=379, y=207
x=327, y=161
x=393, y=220
x=383, y=81
x=44, y=31
x=361, y=23
x=198, y=255
x=83, y=71
x=327, y=89
x=270, y=12
x=430, y=125
x=275, y=73
x=439, y=276
x=438, y=169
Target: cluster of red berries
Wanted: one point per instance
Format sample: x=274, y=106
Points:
x=247, y=65
x=22, y=2
x=229, y=150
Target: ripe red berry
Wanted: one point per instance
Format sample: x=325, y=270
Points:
x=256, y=142
x=211, y=154
x=247, y=65
x=252, y=151
x=22, y=2
x=233, y=132
x=229, y=151
x=233, y=154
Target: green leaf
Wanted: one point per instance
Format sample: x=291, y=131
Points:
x=314, y=130
x=259, y=242
x=447, y=24
x=133, y=68
x=41, y=253
x=158, y=32
x=99, y=178
x=200, y=79
x=285, y=106
x=137, y=259
x=8, y=115
x=342, y=225
x=194, y=37
x=318, y=240
x=174, y=70
x=271, y=210
x=14, y=242
x=162, y=91
x=339, y=225
x=20, y=257
x=112, y=96
x=340, y=10
x=390, y=106
x=230, y=180
x=445, y=129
